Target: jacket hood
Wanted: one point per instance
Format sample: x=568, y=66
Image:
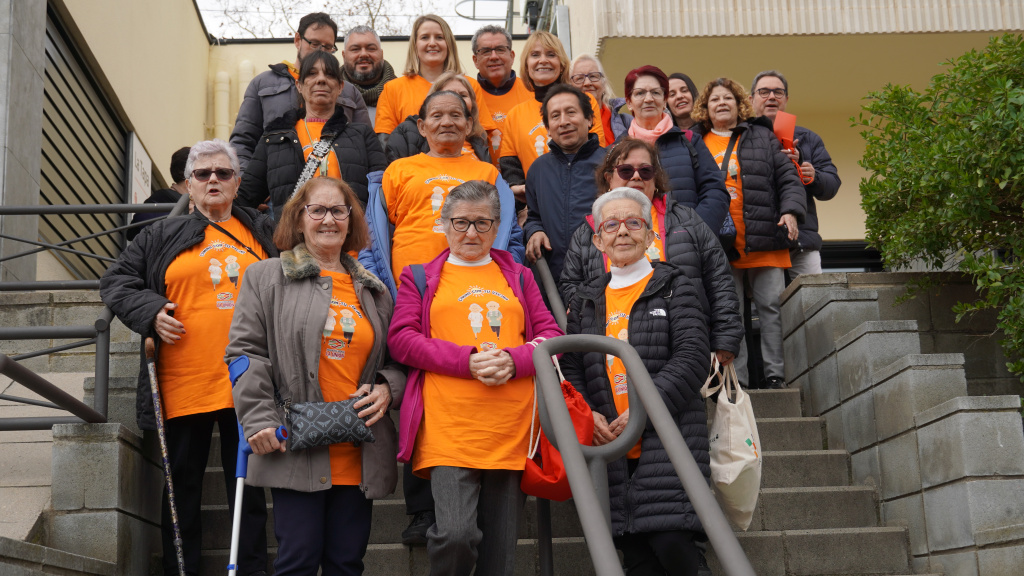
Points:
x=298, y=263
x=287, y=121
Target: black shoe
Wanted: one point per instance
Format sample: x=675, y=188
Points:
x=416, y=533
x=776, y=383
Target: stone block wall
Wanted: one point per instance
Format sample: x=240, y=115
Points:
x=910, y=394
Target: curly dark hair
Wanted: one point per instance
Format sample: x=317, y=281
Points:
x=700, y=106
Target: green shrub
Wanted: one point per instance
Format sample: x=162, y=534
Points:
x=946, y=177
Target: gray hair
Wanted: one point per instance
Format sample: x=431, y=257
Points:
x=609, y=94
x=774, y=73
x=211, y=148
x=489, y=29
x=361, y=29
x=474, y=192
x=623, y=193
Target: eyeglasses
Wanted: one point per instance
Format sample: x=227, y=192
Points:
x=203, y=174
x=765, y=92
x=642, y=94
x=462, y=225
x=611, y=225
x=329, y=48
x=579, y=79
x=497, y=50
x=318, y=212
x=625, y=171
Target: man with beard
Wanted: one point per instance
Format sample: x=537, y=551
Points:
x=365, y=67
x=273, y=93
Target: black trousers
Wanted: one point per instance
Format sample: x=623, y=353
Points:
x=416, y=490
x=326, y=530
x=671, y=553
x=188, y=449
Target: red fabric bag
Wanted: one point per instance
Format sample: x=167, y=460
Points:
x=544, y=475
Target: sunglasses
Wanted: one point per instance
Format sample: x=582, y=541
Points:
x=203, y=174
x=625, y=171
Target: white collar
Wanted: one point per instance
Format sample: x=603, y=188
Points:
x=723, y=133
x=630, y=274
x=453, y=259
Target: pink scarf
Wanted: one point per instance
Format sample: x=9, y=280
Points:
x=649, y=136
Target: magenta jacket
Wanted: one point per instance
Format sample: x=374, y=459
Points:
x=409, y=343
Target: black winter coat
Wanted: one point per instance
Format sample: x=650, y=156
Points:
x=703, y=189
x=559, y=195
x=667, y=329
x=689, y=245
x=771, y=186
x=825, y=186
x=133, y=287
x=278, y=160
x=406, y=141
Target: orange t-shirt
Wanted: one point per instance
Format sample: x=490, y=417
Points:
x=619, y=304
x=309, y=135
x=403, y=96
x=734, y=185
x=526, y=137
x=467, y=423
x=203, y=281
x=344, y=348
x=414, y=191
x=500, y=106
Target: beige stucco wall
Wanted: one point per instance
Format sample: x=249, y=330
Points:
x=152, y=56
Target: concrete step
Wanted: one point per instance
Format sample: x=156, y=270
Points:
x=791, y=433
x=845, y=551
x=19, y=558
x=805, y=468
x=815, y=508
x=783, y=403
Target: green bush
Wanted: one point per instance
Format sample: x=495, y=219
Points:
x=946, y=177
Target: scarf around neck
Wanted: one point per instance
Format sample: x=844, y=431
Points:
x=372, y=93
x=650, y=136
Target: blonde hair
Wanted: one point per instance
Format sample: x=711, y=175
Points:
x=743, y=107
x=606, y=86
x=445, y=79
x=451, y=59
x=551, y=42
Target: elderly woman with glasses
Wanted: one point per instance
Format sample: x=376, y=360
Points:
x=587, y=74
x=311, y=327
x=657, y=310
x=466, y=323
x=179, y=283
x=694, y=179
x=680, y=238
x=315, y=139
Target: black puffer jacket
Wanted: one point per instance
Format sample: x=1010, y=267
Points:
x=134, y=289
x=689, y=245
x=406, y=141
x=771, y=186
x=666, y=327
x=825, y=186
x=278, y=160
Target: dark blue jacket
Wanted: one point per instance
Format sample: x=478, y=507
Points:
x=559, y=195
x=825, y=186
x=703, y=189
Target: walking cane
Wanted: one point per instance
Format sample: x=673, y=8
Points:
x=236, y=368
x=158, y=414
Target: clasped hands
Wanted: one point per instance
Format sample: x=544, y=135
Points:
x=604, y=431
x=492, y=367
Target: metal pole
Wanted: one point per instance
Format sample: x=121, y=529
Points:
x=46, y=389
x=545, y=554
x=35, y=332
x=84, y=209
x=36, y=423
x=100, y=393
x=547, y=281
x=56, y=247
x=55, y=285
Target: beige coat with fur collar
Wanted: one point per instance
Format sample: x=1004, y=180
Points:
x=278, y=323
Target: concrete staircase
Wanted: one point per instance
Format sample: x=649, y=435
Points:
x=809, y=521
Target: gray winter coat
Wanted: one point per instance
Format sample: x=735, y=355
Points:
x=272, y=94
x=278, y=324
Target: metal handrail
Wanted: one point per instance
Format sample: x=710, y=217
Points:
x=542, y=271
x=590, y=491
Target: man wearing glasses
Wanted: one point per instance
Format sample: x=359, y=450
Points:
x=493, y=57
x=273, y=93
x=769, y=95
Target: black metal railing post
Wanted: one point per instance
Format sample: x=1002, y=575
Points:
x=547, y=282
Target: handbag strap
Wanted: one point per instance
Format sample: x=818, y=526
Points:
x=318, y=153
x=232, y=236
x=728, y=151
x=707, y=390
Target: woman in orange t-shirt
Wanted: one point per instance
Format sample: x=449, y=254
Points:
x=767, y=201
x=179, y=282
x=468, y=327
x=311, y=327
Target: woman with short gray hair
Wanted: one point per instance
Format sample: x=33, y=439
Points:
x=467, y=323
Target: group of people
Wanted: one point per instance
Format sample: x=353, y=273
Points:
x=367, y=235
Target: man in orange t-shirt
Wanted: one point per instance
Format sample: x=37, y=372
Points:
x=502, y=91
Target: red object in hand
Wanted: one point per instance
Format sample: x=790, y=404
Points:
x=544, y=475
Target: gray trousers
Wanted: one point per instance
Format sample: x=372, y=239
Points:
x=477, y=521
x=804, y=262
x=766, y=284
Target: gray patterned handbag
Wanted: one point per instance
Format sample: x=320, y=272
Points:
x=321, y=423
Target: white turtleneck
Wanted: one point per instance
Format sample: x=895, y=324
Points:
x=630, y=274
x=453, y=259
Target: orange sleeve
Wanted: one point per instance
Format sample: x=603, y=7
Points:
x=389, y=187
x=510, y=134
x=481, y=103
x=598, y=127
x=388, y=106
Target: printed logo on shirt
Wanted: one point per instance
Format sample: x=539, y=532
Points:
x=478, y=291
x=733, y=166
x=220, y=246
x=499, y=117
x=336, y=349
x=340, y=315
